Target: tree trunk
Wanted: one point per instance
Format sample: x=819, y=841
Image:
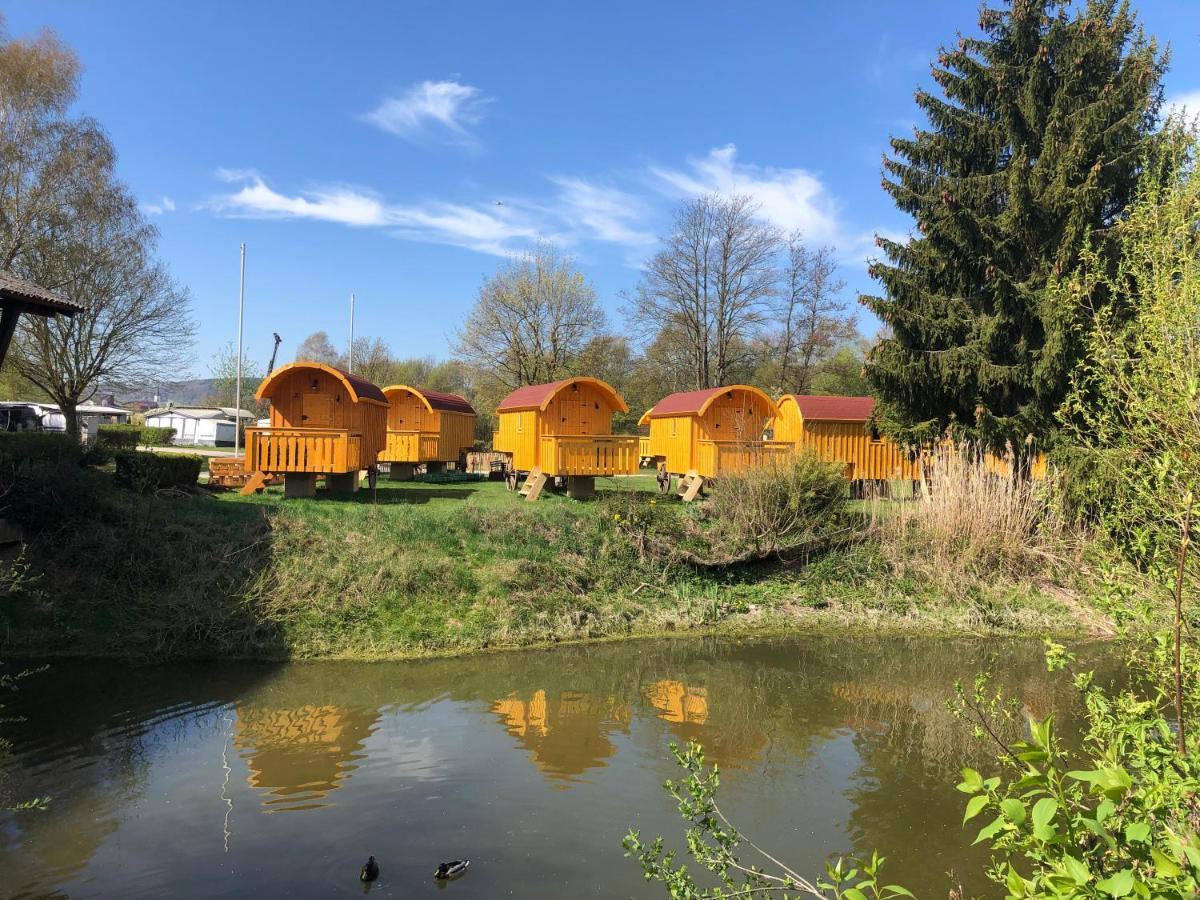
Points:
x=70, y=411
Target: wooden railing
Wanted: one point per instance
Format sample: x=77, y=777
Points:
x=715, y=458
x=644, y=447
x=410, y=446
x=606, y=454
x=328, y=450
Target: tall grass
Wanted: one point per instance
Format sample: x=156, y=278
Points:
x=972, y=517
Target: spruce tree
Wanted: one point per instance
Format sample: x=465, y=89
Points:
x=1031, y=154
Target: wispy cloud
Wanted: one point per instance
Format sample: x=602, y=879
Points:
x=487, y=230
x=165, y=205
x=603, y=212
x=790, y=198
x=441, y=109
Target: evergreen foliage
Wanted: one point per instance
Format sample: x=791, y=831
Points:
x=1032, y=153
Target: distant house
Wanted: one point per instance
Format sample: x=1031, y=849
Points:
x=199, y=426
x=37, y=416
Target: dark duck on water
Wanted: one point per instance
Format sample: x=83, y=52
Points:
x=448, y=870
x=370, y=870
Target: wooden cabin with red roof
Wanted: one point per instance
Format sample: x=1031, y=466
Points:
x=323, y=422
x=838, y=429
x=563, y=429
x=703, y=434
x=425, y=426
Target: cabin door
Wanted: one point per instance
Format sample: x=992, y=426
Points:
x=316, y=410
x=578, y=417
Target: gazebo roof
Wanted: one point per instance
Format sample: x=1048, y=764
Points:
x=815, y=407
x=360, y=390
x=696, y=403
x=538, y=396
x=37, y=300
x=439, y=400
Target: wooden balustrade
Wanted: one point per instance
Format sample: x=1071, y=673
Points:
x=716, y=458
x=411, y=446
x=590, y=454
x=319, y=450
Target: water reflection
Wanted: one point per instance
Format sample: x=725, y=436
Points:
x=299, y=756
x=160, y=781
x=565, y=735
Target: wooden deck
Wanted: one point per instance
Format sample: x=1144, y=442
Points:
x=716, y=458
x=317, y=450
x=584, y=455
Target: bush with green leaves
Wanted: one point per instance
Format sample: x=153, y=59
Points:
x=154, y=436
x=741, y=867
x=19, y=447
x=143, y=472
x=1117, y=817
x=118, y=437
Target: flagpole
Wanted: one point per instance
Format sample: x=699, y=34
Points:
x=350, y=364
x=237, y=392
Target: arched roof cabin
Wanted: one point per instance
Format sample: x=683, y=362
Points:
x=713, y=431
x=323, y=421
x=838, y=429
x=564, y=428
x=425, y=426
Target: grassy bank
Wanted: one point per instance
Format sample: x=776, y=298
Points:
x=415, y=569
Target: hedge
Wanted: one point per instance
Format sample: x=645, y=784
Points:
x=140, y=471
x=47, y=446
x=119, y=437
x=153, y=436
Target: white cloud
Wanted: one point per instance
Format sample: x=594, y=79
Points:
x=431, y=106
x=1185, y=104
x=165, y=205
x=477, y=228
x=790, y=198
x=606, y=213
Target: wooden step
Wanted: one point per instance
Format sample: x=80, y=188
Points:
x=532, y=488
x=254, y=484
x=689, y=486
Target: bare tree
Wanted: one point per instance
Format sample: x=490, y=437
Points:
x=66, y=222
x=317, y=348
x=710, y=284
x=373, y=361
x=814, y=319
x=531, y=320
x=135, y=328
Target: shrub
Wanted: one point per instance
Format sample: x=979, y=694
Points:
x=145, y=472
x=153, y=436
x=764, y=509
x=118, y=437
x=20, y=446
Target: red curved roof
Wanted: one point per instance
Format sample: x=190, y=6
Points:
x=360, y=389
x=538, y=396
x=694, y=403
x=447, y=402
x=834, y=409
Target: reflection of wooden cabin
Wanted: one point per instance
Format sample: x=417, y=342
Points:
x=565, y=736
x=564, y=429
x=299, y=756
x=688, y=710
x=705, y=434
x=323, y=422
x=839, y=430
x=425, y=426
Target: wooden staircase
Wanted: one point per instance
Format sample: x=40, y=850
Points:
x=689, y=486
x=534, y=482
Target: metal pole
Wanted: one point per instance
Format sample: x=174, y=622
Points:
x=350, y=363
x=237, y=391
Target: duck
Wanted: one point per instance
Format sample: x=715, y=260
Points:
x=370, y=870
x=448, y=870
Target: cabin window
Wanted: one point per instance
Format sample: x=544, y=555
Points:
x=519, y=426
x=674, y=427
x=876, y=437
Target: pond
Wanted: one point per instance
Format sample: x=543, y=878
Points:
x=226, y=779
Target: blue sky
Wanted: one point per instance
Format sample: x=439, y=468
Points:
x=400, y=150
